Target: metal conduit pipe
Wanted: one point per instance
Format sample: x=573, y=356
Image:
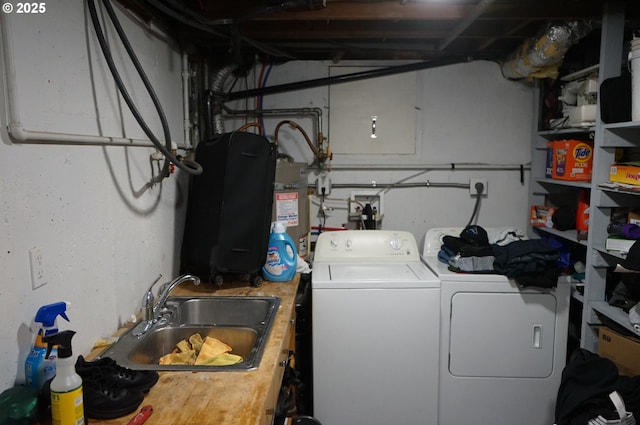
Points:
x=217, y=101
x=336, y=79
x=394, y=186
x=435, y=167
x=316, y=112
x=280, y=112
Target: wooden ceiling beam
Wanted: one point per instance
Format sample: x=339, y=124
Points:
x=384, y=10
x=284, y=34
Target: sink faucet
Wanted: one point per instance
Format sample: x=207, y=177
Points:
x=164, y=292
x=149, y=310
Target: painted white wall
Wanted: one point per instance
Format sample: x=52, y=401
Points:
x=470, y=114
x=105, y=234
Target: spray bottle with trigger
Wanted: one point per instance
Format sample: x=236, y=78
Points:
x=39, y=368
x=67, y=403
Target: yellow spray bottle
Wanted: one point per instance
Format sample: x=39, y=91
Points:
x=67, y=404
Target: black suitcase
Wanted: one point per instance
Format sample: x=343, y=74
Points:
x=229, y=210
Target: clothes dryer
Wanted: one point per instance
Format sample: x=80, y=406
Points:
x=375, y=321
x=502, y=347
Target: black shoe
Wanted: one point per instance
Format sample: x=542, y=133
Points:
x=103, y=399
x=122, y=377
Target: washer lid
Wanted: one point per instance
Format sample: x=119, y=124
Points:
x=373, y=275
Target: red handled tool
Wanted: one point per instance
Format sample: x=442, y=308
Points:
x=142, y=416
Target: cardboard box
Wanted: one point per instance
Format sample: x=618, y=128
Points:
x=623, y=351
x=572, y=160
x=625, y=173
x=550, y=163
x=618, y=243
x=634, y=217
x=540, y=215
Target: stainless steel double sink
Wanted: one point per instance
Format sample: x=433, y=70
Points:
x=243, y=323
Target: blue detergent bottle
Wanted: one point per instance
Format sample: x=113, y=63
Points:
x=282, y=256
x=37, y=367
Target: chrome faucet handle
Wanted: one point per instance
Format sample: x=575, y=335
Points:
x=167, y=288
x=148, y=300
x=151, y=311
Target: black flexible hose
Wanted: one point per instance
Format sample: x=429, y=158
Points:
x=479, y=189
x=188, y=166
x=475, y=211
x=106, y=51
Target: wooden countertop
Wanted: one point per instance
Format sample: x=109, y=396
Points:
x=221, y=398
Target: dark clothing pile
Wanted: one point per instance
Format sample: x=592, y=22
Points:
x=587, y=380
x=528, y=262
x=463, y=256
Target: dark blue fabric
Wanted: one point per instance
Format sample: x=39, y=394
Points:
x=530, y=256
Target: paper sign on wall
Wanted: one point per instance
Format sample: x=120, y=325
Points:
x=287, y=208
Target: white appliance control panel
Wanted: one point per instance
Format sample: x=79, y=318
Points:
x=370, y=245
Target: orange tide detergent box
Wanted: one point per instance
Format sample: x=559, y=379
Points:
x=572, y=160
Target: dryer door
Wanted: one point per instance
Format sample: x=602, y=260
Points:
x=507, y=335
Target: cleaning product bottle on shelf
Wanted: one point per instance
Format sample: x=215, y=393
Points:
x=282, y=256
x=38, y=368
x=582, y=213
x=67, y=403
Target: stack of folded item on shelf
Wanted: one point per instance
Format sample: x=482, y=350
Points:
x=621, y=236
x=626, y=293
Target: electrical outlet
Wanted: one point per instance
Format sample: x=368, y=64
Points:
x=474, y=191
x=37, y=268
x=323, y=186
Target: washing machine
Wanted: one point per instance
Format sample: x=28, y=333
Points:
x=503, y=347
x=375, y=330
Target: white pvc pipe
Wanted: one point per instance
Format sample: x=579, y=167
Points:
x=20, y=135
x=17, y=131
